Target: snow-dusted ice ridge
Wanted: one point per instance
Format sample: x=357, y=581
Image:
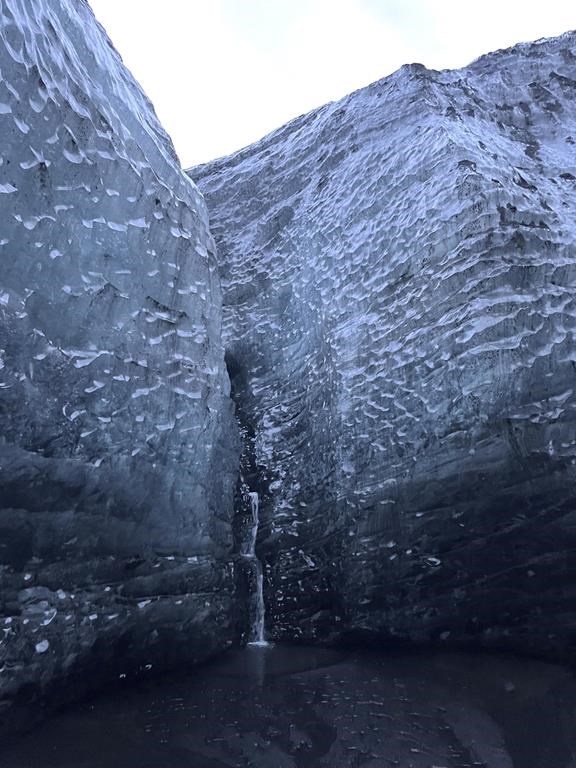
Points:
x=118, y=453
x=399, y=311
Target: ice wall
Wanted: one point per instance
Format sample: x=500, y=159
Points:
x=118, y=452
x=399, y=279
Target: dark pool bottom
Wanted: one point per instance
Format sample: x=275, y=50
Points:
x=284, y=707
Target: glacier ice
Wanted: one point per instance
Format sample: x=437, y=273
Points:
x=399, y=315
x=118, y=453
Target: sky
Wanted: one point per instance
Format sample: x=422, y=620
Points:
x=223, y=73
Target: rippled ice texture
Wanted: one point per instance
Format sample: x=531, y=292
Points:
x=117, y=431
x=399, y=281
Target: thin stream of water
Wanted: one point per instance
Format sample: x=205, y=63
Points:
x=248, y=550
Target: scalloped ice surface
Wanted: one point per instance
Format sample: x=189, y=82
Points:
x=399, y=312
x=118, y=455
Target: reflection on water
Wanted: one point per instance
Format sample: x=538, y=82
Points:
x=278, y=707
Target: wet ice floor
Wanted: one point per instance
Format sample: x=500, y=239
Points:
x=283, y=707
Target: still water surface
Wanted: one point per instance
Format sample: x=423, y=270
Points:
x=285, y=707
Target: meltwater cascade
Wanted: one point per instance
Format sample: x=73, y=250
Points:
x=248, y=550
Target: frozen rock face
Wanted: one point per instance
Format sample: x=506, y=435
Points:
x=118, y=452
x=399, y=280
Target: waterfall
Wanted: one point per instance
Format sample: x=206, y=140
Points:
x=248, y=550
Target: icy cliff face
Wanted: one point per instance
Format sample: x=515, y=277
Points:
x=118, y=446
x=399, y=279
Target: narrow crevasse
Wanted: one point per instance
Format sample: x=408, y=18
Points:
x=249, y=529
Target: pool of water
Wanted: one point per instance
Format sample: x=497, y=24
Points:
x=289, y=707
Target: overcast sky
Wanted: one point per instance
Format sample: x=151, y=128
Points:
x=223, y=73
